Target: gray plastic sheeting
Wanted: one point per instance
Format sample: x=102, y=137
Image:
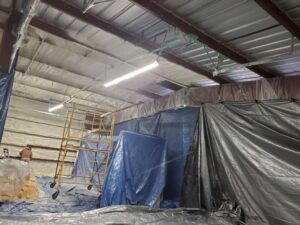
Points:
x=264, y=89
x=250, y=152
x=122, y=215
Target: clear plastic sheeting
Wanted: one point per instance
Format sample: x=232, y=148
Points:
x=265, y=89
x=73, y=199
x=249, y=153
x=137, y=171
x=129, y=215
x=12, y=177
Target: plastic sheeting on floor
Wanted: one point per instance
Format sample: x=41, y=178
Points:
x=177, y=127
x=250, y=153
x=129, y=215
x=137, y=171
x=72, y=198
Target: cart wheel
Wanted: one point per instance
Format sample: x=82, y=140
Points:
x=55, y=194
x=52, y=185
x=89, y=187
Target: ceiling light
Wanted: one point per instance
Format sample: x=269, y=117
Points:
x=105, y=114
x=131, y=74
x=56, y=107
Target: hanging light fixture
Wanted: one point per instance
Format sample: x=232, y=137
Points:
x=132, y=74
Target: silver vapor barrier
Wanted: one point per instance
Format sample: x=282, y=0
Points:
x=265, y=89
x=244, y=153
x=247, y=153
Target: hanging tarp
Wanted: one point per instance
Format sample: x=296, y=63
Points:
x=150, y=124
x=191, y=190
x=255, y=151
x=177, y=127
x=137, y=171
x=6, y=84
x=202, y=184
x=131, y=125
x=91, y=164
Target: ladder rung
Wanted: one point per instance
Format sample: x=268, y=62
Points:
x=68, y=148
x=72, y=176
x=105, y=131
x=83, y=183
x=84, y=140
x=71, y=145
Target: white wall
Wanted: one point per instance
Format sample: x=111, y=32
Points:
x=26, y=124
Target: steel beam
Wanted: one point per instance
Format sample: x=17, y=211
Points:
x=280, y=16
x=187, y=27
x=104, y=25
x=7, y=44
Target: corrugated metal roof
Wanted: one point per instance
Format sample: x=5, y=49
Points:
x=240, y=24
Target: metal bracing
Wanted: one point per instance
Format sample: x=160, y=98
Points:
x=176, y=21
x=291, y=54
x=280, y=16
x=104, y=25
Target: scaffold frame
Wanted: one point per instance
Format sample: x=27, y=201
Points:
x=79, y=123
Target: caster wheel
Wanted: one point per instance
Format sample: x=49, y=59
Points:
x=89, y=187
x=52, y=185
x=55, y=194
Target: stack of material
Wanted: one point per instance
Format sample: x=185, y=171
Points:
x=30, y=189
x=15, y=180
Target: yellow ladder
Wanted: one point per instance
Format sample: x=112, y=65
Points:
x=90, y=121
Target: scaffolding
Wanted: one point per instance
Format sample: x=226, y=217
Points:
x=84, y=125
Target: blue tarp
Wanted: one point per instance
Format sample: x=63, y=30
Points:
x=85, y=166
x=131, y=125
x=6, y=83
x=136, y=173
x=177, y=127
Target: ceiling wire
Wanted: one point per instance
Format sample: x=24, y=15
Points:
x=35, y=55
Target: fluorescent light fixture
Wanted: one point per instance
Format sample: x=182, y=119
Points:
x=105, y=114
x=131, y=74
x=47, y=113
x=56, y=107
